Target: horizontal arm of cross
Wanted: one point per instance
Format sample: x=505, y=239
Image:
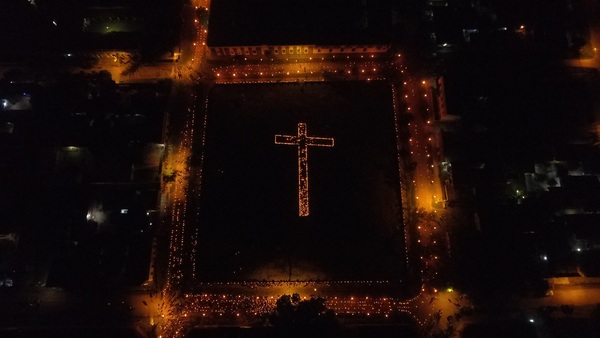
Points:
x=286, y=139
x=319, y=141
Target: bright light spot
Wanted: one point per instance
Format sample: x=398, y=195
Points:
x=544, y=257
x=54, y=23
x=124, y=211
x=531, y=320
x=579, y=249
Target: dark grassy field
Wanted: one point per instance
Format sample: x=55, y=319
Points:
x=249, y=223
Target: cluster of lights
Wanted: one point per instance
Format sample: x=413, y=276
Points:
x=403, y=198
x=242, y=81
x=271, y=284
x=420, y=146
x=243, y=309
x=278, y=72
x=175, y=317
x=178, y=225
x=198, y=187
x=303, y=142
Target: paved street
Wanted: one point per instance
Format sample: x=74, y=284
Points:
x=583, y=297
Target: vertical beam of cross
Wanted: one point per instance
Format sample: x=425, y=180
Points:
x=303, y=142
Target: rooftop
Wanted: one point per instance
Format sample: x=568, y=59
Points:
x=298, y=22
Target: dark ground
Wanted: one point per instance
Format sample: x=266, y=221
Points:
x=249, y=223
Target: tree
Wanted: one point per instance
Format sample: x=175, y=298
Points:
x=299, y=316
x=567, y=309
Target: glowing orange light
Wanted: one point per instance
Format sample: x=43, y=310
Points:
x=303, y=141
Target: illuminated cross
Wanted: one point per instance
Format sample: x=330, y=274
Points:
x=303, y=141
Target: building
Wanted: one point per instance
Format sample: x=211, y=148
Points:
x=258, y=29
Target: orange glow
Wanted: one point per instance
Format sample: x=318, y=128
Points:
x=303, y=141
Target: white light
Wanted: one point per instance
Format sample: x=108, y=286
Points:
x=54, y=23
x=545, y=257
x=124, y=211
x=578, y=249
x=531, y=320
